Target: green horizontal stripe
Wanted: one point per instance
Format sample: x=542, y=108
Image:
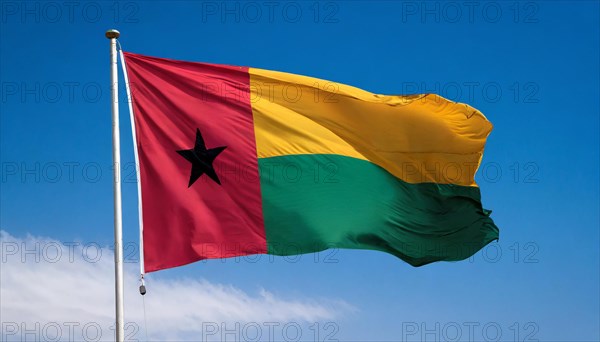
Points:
x=314, y=202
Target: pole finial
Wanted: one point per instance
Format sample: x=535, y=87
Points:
x=112, y=33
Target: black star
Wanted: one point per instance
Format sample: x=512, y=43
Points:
x=201, y=159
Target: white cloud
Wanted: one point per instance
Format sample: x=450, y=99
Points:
x=48, y=289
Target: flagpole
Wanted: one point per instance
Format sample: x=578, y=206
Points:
x=119, y=328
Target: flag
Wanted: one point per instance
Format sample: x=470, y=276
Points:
x=237, y=161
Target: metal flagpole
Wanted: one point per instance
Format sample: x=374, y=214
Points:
x=119, y=328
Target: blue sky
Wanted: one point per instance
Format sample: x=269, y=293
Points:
x=531, y=67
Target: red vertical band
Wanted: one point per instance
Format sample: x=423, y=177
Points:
x=171, y=101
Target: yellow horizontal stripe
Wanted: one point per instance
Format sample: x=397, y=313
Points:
x=417, y=138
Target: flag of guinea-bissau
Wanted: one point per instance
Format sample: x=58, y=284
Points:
x=237, y=161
